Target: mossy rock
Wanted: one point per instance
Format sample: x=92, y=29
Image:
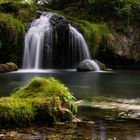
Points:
x=4, y=68
x=42, y=100
x=8, y=67
x=12, y=66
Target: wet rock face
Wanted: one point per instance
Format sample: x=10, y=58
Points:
x=58, y=22
x=8, y=67
x=60, y=41
x=86, y=65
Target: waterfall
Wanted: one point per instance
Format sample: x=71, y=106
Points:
x=78, y=43
x=34, y=42
x=53, y=45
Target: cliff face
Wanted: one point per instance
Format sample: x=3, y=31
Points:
x=111, y=28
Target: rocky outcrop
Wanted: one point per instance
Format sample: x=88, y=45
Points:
x=8, y=67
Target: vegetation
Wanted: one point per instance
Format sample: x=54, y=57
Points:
x=113, y=38
x=12, y=33
x=43, y=100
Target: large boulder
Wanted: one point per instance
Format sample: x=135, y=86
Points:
x=4, y=68
x=59, y=22
x=41, y=100
x=8, y=67
x=88, y=65
x=12, y=66
x=49, y=98
x=60, y=42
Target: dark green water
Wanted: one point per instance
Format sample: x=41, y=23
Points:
x=85, y=85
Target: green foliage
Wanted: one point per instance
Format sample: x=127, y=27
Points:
x=41, y=100
x=6, y=1
x=114, y=8
x=12, y=34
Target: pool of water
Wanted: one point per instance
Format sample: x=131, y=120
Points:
x=124, y=85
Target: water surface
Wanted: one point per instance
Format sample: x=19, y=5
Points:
x=124, y=85
x=82, y=84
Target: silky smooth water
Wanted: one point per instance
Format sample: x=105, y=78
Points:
x=82, y=84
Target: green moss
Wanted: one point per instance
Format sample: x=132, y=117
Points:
x=41, y=100
x=12, y=32
x=15, y=110
x=6, y=1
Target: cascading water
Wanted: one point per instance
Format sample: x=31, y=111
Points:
x=49, y=44
x=78, y=42
x=34, y=42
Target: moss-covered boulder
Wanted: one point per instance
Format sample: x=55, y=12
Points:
x=12, y=66
x=4, y=68
x=42, y=100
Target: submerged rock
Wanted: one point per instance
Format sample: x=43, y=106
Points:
x=8, y=67
x=88, y=65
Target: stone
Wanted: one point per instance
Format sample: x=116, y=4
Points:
x=59, y=22
x=12, y=66
x=4, y=68
x=8, y=67
x=87, y=65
